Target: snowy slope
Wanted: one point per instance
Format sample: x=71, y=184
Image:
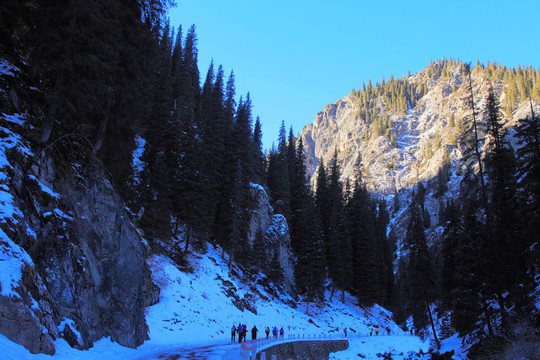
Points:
x=194, y=312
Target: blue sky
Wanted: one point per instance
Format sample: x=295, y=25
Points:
x=294, y=57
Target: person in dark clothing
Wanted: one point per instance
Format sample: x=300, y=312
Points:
x=254, y=332
x=267, y=331
x=240, y=332
x=233, y=333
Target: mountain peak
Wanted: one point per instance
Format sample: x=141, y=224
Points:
x=403, y=130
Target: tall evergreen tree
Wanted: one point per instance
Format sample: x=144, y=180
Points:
x=477, y=141
x=156, y=179
x=528, y=152
x=462, y=284
x=223, y=217
x=243, y=136
x=338, y=246
x=503, y=248
x=211, y=124
x=257, y=158
x=363, y=237
x=322, y=195
x=385, y=254
x=310, y=270
x=420, y=272
x=278, y=177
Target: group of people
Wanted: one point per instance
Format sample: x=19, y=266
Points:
x=275, y=332
x=241, y=330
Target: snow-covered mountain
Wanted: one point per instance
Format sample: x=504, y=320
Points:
x=416, y=144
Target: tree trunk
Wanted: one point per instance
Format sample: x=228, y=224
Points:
x=476, y=146
x=47, y=127
x=488, y=318
x=231, y=260
x=100, y=133
x=433, y=326
x=187, y=239
x=502, y=310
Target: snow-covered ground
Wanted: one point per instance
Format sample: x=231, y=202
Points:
x=194, y=314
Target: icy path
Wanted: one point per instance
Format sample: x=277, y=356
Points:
x=198, y=352
x=368, y=346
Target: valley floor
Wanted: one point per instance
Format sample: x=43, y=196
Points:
x=194, y=316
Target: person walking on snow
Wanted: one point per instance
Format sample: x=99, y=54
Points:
x=233, y=333
x=267, y=331
x=370, y=332
x=244, y=332
x=239, y=331
x=377, y=331
x=274, y=332
x=281, y=332
x=345, y=331
x=254, y=333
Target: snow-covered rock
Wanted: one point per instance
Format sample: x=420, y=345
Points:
x=68, y=247
x=276, y=233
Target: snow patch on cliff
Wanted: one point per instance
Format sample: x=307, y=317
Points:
x=13, y=260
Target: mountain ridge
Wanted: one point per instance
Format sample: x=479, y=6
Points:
x=413, y=148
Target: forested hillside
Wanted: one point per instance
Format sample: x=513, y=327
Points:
x=419, y=194
x=454, y=152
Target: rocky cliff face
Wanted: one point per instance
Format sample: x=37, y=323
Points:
x=276, y=234
x=388, y=166
x=422, y=136
x=72, y=263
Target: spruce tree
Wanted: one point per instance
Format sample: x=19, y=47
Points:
x=156, y=179
x=477, y=141
x=504, y=247
x=420, y=271
x=462, y=289
x=528, y=153
x=223, y=217
x=453, y=231
x=385, y=253
x=310, y=269
x=211, y=124
x=306, y=240
x=278, y=178
x=338, y=247
x=363, y=237
x=322, y=195
x=257, y=158
x=243, y=138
